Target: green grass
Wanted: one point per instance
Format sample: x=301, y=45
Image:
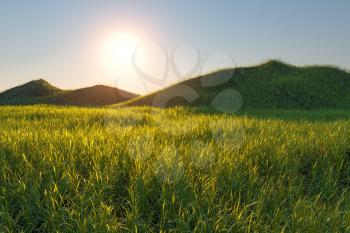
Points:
x=273, y=84
x=175, y=170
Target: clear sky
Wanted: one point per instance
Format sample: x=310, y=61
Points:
x=64, y=42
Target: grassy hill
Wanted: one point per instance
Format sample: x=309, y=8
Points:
x=29, y=93
x=93, y=96
x=273, y=84
x=42, y=92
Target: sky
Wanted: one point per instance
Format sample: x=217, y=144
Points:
x=70, y=43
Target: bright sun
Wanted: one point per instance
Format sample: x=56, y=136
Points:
x=119, y=50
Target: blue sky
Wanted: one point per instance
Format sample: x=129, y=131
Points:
x=61, y=41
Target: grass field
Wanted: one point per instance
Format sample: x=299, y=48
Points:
x=176, y=170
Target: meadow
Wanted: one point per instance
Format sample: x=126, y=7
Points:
x=143, y=169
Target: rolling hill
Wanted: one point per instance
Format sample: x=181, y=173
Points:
x=42, y=92
x=32, y=92
x=273, y=84
x=92, y=96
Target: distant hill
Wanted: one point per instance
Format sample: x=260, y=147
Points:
x=42, y=92
x=92, y=96
x=273, y=84
x=29, y=93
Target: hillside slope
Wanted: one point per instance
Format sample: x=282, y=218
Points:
x=28, y=93
x=41, y=92
x=92, y=96
x=273, y=84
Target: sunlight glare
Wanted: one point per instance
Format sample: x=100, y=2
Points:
x=119, y=50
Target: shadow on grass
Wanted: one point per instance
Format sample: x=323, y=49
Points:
x=313, y=115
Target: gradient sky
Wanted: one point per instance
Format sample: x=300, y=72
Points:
x=62, y=41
